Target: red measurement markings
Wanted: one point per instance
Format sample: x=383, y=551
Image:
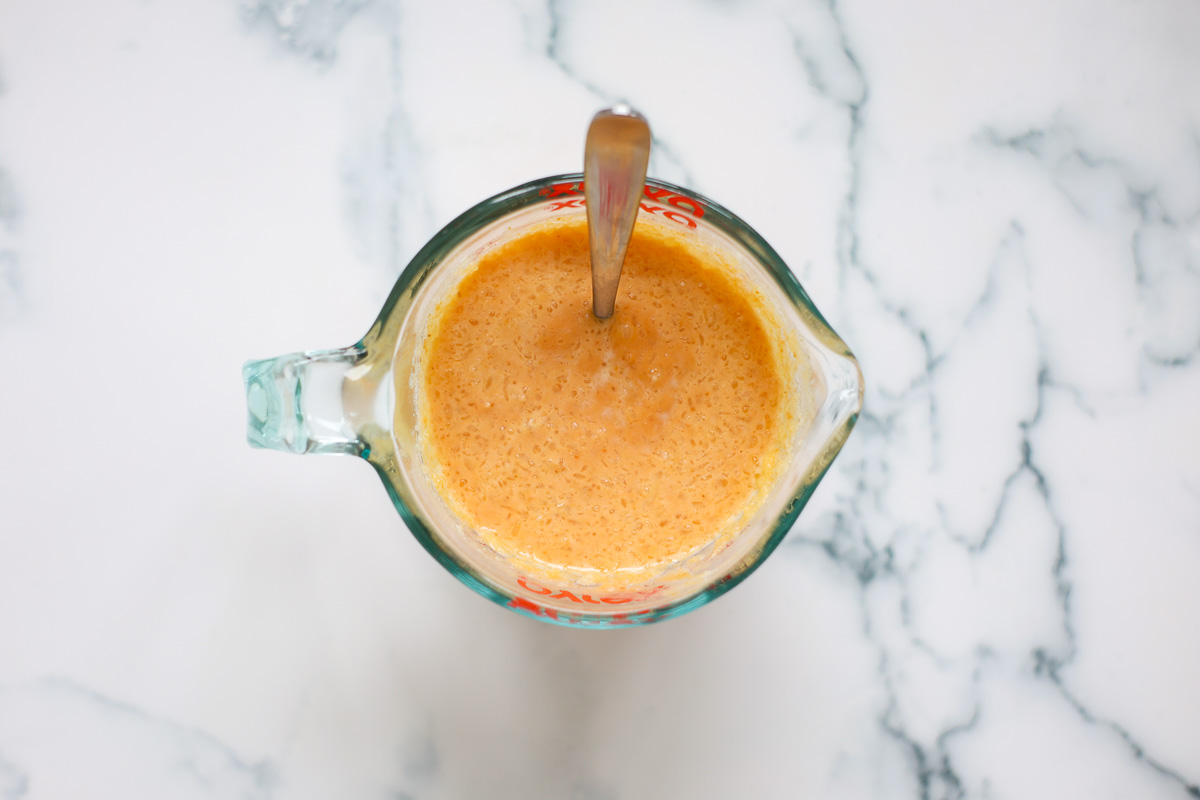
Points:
x=622, y=618
x=674, y=216
x=563, y=594
x=686, y=204
x=689, y=205
x=521, y=604
x=554, y=190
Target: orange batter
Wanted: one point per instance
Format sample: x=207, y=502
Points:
x=596, y=444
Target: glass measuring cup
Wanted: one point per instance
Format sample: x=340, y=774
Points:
x=360, y=400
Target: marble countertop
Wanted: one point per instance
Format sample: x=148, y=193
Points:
x=992, y=595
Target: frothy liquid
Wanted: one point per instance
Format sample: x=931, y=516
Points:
x=603, y=445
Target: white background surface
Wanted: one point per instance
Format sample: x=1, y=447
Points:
x=992, y=595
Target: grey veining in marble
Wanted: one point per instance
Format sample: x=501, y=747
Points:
x=10, y=272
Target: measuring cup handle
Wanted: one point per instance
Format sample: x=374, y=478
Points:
x=295, y=402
